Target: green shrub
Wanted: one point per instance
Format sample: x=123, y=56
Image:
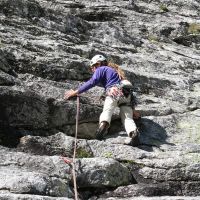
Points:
x=82, y=153
x=194, y=28
x=153, y=38
x=0, y=43
x=108, y=155
x=164, y=8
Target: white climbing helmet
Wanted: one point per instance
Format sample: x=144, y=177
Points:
x=96, y=59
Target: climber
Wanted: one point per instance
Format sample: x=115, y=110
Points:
x=118, y=93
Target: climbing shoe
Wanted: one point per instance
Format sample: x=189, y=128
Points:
x=134, y=138
x=102, y=130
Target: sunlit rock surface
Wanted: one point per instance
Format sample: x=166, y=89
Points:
x=45, y=48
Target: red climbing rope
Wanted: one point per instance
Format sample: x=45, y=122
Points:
x=73, y=161
x=74, y=154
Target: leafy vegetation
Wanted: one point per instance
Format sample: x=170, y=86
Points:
x=108, y=155
x=153, y=38
x=164, y=8
x=82, y=153
x=194, y=28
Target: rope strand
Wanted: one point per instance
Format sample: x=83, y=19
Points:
x=74, y=154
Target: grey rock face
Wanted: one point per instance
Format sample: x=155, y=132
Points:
x=45, y=46
x=25, y=174
x=23, y=107
x=99, y=172
x=10, y=196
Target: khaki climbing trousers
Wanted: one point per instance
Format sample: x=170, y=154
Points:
x=126, y=112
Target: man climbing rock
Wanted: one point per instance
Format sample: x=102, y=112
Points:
x=118, y=94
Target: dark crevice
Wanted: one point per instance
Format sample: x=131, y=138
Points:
x=9, y=137
x=181, y=54
x=99, y=16
x=86, y=193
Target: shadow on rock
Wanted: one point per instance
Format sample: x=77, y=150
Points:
x=152, y=135
x=9, y=137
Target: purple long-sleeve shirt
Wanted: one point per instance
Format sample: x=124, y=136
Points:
x=103, y=76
